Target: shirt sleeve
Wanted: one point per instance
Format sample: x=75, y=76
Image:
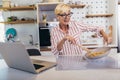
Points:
x=54, y=42
x=85, y=27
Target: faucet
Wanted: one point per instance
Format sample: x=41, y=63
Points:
x=31, y=39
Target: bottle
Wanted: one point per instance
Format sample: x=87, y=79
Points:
x=44, y=19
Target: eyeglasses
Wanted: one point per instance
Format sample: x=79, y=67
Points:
x=66, y=15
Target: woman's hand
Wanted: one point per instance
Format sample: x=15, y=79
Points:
x=67, y=37
x=107, y=39
x=70, y=39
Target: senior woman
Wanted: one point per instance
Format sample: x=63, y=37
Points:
x=65, y=37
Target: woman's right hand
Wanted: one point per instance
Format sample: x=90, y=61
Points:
x=70, y=39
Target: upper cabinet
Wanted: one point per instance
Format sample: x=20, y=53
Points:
x=46, y=6
x=45, y=12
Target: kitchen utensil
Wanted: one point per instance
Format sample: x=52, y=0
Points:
x=98, y=53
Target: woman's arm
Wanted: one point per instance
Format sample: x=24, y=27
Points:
x=67, y=37
x=105, y=36
x=60, y=44
x=85, y=27
x=54, y=42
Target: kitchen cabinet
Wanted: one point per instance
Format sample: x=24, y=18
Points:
x=45, y=17
x=46, y=9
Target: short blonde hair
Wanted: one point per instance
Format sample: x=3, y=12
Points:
x=62, y=8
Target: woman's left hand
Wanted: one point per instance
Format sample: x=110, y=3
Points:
x=70, y=39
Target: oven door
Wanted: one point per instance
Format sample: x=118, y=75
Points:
x=44, y=37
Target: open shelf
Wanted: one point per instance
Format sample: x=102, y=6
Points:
x=18, y=8
x=19, y=22
x=77, y=6
x=99, y=15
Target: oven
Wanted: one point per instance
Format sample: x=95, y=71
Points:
x=44, y=37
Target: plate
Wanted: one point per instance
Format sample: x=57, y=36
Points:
x=98, y=53
x=11, y=31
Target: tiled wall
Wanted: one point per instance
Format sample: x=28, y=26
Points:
x=96, y=7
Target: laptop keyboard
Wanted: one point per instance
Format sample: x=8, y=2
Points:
x=37, y=66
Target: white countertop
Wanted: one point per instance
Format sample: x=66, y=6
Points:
x=53, y=74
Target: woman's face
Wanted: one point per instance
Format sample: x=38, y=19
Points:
x=64, y=18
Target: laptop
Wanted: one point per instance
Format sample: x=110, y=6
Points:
x=16, y=56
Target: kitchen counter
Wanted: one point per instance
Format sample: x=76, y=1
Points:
x=54, y=74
